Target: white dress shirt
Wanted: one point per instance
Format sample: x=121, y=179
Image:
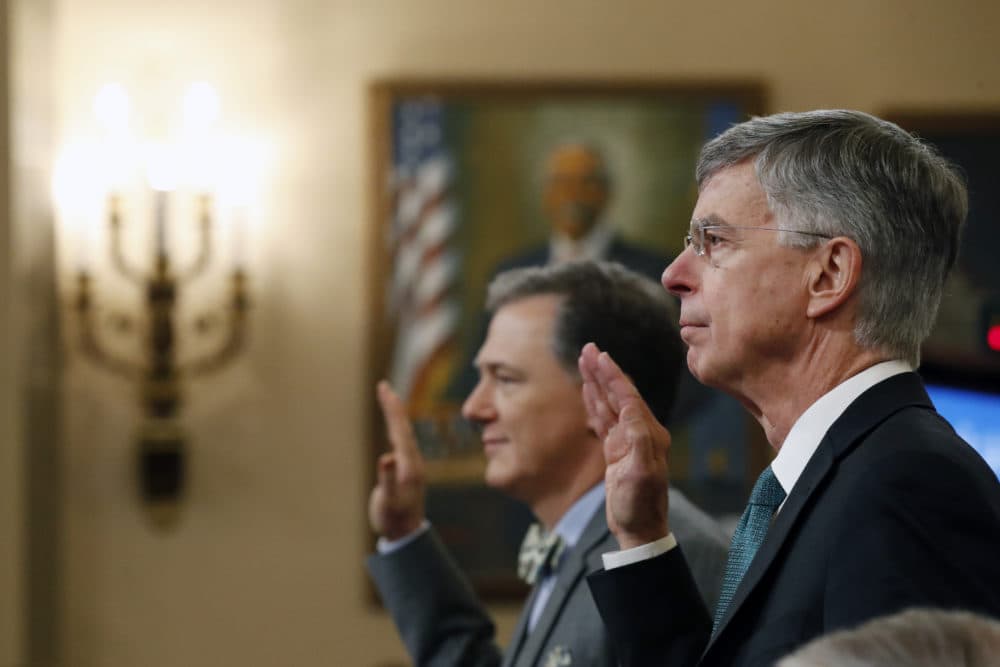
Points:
x=810, y=428
x=799, y=446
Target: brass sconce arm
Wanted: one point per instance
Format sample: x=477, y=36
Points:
x=89, y=342
x=205, y=247
x=118, y=259
x=235, y=332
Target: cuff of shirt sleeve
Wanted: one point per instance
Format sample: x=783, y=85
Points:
x=642, y=552
x=386, y=547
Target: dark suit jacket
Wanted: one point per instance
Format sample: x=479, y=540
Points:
x=444, y=625
x=894, y=510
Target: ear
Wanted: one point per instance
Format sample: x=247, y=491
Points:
x=834, y=272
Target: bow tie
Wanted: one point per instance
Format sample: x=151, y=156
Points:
x=540, y=554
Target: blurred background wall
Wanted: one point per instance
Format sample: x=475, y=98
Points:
x=10, y=468
x=265, y=566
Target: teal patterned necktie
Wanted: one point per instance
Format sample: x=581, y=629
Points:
x=766, y=497
x=540, y=554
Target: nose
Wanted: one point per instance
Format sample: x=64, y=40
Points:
x=679, y=276
x=478, y=406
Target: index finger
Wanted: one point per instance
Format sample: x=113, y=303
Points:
x=397, y=423
x=616, y=386
x=634, y=416
x=587, y=362
x=601, y=416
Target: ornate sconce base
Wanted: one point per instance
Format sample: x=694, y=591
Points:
x=161, y=442
x=162, y=470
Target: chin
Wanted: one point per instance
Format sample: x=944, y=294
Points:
x=496, y=479
x=694, y=366
x=702, y=371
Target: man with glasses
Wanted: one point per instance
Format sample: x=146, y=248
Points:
x=814, y=266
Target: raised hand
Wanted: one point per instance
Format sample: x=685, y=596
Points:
x=396, y=505
x=635, y=450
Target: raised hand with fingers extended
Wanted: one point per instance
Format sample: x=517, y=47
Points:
x=396, y=505
x=635, y=450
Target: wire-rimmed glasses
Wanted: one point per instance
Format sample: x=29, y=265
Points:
x=702, y=238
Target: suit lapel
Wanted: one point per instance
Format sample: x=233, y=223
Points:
x=869, y=410
x=527, y=647
x=520, y=631
x=818, y=467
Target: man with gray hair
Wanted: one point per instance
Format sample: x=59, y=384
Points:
x=913, y=638
x=813, y=270
x=539, y=450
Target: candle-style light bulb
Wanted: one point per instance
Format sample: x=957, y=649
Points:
x=239, y=232
x=240, y=189
x=113, y=108
x=201, y=107
x=162, y=172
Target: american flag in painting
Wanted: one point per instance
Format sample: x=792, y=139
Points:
x=421, y=298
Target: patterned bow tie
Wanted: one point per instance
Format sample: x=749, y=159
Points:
x=540, y=554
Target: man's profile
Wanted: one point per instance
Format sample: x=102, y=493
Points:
x=813, y=269
x=540, y=450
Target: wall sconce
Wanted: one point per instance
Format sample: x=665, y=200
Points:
x=96, y=181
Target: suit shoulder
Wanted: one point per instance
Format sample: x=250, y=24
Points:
x=915, y=475
x=919, y=441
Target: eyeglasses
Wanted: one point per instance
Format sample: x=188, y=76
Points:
x=705, y=237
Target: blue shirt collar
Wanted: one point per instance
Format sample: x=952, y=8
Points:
x=572, y=524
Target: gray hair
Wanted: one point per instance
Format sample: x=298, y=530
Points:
x=913, y=638
x=625, y=314
x=846, y=173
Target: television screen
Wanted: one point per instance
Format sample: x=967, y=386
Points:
x=975, y=414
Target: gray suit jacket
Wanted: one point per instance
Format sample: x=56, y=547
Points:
x=442, y=623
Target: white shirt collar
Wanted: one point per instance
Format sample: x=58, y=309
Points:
x=575, y=520
x=592, y=246
x=812, y=425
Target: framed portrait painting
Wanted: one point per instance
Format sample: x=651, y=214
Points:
x=463, y=183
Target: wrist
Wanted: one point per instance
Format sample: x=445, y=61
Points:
x=628, y=539
x=632, y=541
x=401, y=528
x=386, y=546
